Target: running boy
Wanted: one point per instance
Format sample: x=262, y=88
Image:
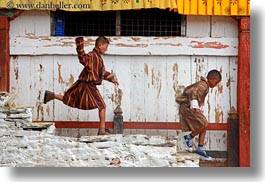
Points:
x=191, y=116
x=83, y=94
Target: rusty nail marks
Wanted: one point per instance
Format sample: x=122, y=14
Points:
x=159, y=86
x=16, y=68
x=39, y=106
x=113, y=98
x=60, y=79
x=48, y=110
x=146, y=69
x=212, y=45
x=68, y=44
x=199, y=68
x=221, y=69
x=91, y=41
x=218, y=115
x=228, y=83
x=209, y=109
x=176, y=68
x=45, y=38
x=156, y=81
x=31, y=36
x=39, y=96
x=135, y=39
x=16, y=73
x=70, y=80
x=168, y=44
x=153, y=76
x=131, y=45
x=220, y=88
x=178, y=89
x=40, y=72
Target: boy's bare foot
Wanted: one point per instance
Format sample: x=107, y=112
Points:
x=103, y=131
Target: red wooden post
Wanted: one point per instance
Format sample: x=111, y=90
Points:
x=4, y=54
x=232, y=138
x=243, y=92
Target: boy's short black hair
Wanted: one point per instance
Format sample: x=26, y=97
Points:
x=214, y=74
x=101, y=40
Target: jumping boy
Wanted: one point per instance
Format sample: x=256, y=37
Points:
x=191, y=116
x=83, y=94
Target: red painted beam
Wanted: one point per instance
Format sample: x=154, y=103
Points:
x=4, y=54
x=134, y=125
x=243, y=91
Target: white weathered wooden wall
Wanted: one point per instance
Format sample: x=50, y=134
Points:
x=149, y=85
x=151, y=70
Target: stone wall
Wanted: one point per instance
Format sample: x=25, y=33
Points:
x=27, y=144
x=36, y=145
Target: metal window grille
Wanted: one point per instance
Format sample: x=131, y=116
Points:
x=151, y=22
x=146, y=22
x=89, y=23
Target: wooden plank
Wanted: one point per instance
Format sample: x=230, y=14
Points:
x=34, y=65
x=198, y=26
x=178, y=77
x=14, y=91
x=243, y=90
x=199, y=68
x=219, y=100
x=137, y=91
x=233, y=81
x=123, y=74
x=13, y=80
x=65, y=73
x=224, y=26
x=216, y=140
x=32, y=23
x=21, y=74
x=213, y=92
x=154, y=89
x=223, y=100
x=134, y=125
x=44, y=80
x=108, y=89
x=48, y=45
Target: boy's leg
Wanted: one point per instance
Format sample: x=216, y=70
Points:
x=200, y=150
x=102, y=120
x=48, y=96
x=202, y=137
x=199, y=131
x=58, y=97
x=188, y=138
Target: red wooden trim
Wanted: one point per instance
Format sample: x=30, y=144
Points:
x=243, y=92
x=133, y=125
x=4, y=54
x=17, y=14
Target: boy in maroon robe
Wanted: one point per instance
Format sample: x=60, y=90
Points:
x=83, y=94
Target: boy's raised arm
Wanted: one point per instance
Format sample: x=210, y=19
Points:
x=82, y=56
